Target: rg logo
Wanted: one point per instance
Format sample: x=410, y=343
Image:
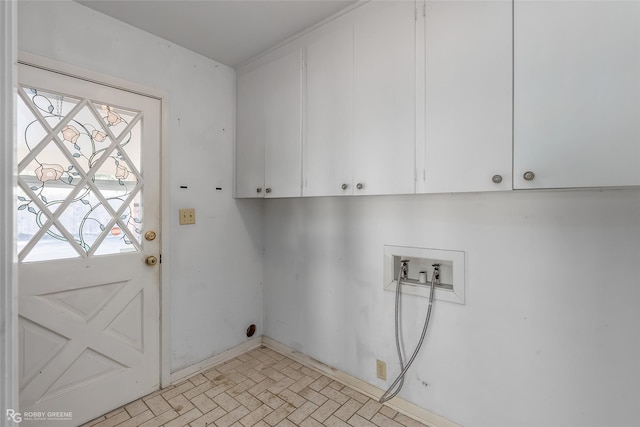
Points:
x=14, y=416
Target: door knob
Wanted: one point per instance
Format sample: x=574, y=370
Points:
x=151, y=260
x=528, y=176
x=497, y=179
x=359, y=186
x=150, y=235
x=345, y=186
x=268, y=190
x=259, y=190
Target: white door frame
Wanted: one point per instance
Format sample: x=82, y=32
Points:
x=81, y=73
x=8, y=261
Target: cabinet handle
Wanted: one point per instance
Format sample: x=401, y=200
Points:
x=345, y=186
x=268, y=190
x=259, y=190
x=528, y=176
x=497, y=179
x=359, y=186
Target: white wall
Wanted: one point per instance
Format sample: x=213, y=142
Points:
x=549, y=333
x=213, y=299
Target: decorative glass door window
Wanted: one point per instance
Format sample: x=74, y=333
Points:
x=79, y=177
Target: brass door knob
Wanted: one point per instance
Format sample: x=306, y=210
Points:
x=151, y=260
x=150, y=235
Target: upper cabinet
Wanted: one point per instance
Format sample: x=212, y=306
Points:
x=328, y=146
x=468, y=83
x=577, y=94
x=445, y=96
x=360, y=103
x=283, y=126
x=384, y=88
x=249, y=156
x=269, y=127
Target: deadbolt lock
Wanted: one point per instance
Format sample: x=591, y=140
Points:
x=151, y=260
x=150, y=235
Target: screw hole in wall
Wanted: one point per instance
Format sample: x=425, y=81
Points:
x=251, y=330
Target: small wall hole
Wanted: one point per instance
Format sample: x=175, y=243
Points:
x=251, y=330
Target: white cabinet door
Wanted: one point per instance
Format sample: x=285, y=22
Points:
x=384, y=98
x=468, y=97
x=282, y=126
x=577, y=94
x=249, y=170
x=329, y=113
x=268, y=137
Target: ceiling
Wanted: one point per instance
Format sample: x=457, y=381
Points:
x=228, y=31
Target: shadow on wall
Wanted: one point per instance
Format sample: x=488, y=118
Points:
x=534, y=298
x=251, y=212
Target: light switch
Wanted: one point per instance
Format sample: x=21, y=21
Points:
x=187, y=216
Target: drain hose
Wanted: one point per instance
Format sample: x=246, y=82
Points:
x=396, y=386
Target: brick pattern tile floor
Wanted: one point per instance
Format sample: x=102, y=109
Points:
x=260, y=388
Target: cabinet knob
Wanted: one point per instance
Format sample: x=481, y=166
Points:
x=268, y=190
x=528, y=176
x=345, y=186
x=359, y=186
x=497, y=179
x=259, y=190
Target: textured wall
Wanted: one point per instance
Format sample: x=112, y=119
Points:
x=548, y=335
x=212, y=299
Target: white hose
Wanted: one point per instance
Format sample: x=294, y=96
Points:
x=399, y=381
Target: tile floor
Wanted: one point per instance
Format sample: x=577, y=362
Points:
x=260, y=388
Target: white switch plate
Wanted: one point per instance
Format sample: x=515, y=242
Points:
x=187, y=216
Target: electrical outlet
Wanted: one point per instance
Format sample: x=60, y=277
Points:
x=187, y=216
x=381, y=369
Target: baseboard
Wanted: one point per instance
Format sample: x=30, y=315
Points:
x=215, y=360
x=404, y=407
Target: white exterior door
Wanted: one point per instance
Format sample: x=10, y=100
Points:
x=88, y=194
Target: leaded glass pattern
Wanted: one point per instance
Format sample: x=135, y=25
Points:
x=78, y=175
